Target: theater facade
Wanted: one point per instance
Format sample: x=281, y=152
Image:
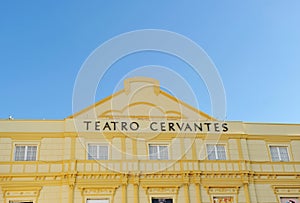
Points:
x=143, y=145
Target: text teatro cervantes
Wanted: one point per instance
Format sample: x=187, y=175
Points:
x=162, y=126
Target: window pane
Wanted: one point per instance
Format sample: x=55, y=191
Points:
x=221, y=152
x=92, y=152
x=102, y=152
x=211, y=153
x=274, y=153
x=153, y=152
x=19, y=153
x=31, y=153
x=284, y=156
x=163, y=153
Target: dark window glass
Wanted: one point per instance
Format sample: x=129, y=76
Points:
x=161, y=200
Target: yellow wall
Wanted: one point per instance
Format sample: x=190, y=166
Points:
x=55, y=172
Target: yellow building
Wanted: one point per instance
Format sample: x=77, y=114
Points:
x=142, y=145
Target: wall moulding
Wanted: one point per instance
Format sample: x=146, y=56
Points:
x=103, y=192
x=166, y=191
x=211, y=190
x=23, y=192
x=220, y=192
x=286, y=189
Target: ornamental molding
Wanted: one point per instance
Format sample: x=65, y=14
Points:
x=107, y=192
x=163, y=190
x=98, y=191
x=101, y=176
x=10, y=192
x=156, y=176
x=286, y=189
x=219, y=190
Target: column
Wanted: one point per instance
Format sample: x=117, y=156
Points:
x=187, y=193
x=197, y=189
x=124, y=193
x=136, y=193
x=124, y=188
x=246, y=191
x=136, y=183
x=71, y=193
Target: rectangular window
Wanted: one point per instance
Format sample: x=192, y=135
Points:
x=97, y=152
x=10, y=201
x=216, y=152
x=162, y=200
x=289, y=200
x=97, y=201
x=223, y=200
x=279, y=153
x=25, y=152
x=158, y=152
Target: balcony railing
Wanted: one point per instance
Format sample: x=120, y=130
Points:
x=145, y=166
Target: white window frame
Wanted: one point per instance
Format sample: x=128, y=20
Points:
x=98, y=157
x=279, y=155
x=25, y=158
x=107, y=199
x=216, y=151
x=158, y=155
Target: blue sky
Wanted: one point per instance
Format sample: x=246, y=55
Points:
x=255, y=46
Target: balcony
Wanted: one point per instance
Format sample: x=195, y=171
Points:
x=25, y=168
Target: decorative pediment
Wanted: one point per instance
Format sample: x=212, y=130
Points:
x=141, y=98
